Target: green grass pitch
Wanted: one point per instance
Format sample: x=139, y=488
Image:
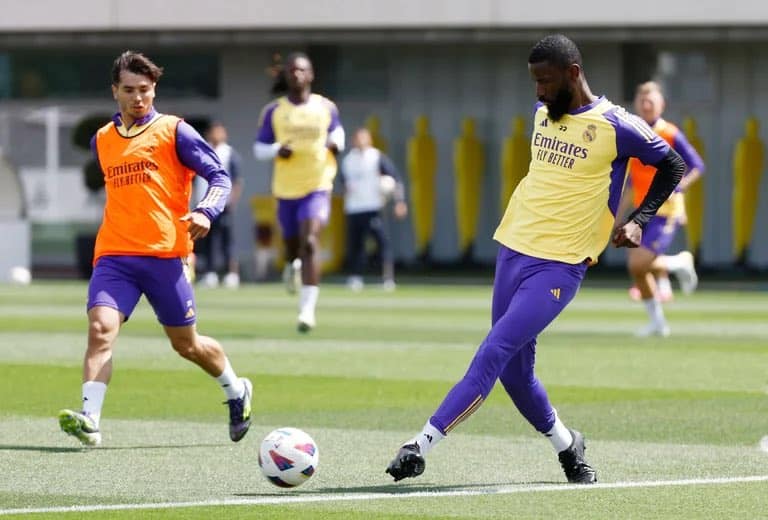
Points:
x=673, y=425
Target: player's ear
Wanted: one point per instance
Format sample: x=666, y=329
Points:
x=574, y=71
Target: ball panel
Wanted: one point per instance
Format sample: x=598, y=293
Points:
x=288, y=457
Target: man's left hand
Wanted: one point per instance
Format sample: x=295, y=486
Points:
x=199, y=224
x=629, y=234
x=400, y=210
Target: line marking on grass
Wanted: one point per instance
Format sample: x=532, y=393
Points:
x=350, y=497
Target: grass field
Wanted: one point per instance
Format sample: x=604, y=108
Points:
x=673, y=425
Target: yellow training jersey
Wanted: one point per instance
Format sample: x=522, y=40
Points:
x=305, y=127
x=564, y=208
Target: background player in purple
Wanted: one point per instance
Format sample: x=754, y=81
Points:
x=302, y=132
x=558, y=221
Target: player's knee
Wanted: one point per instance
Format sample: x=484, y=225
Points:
x=486, y=367
x=518, y=382
x=185, y=347
x=99, y=332
x=309, y=246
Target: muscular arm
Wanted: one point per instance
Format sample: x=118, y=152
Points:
x=198, y=155
x=266, y=147
x=692, y=159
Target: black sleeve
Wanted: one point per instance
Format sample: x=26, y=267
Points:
x=669, y=171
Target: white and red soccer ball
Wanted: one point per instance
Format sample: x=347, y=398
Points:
x=288, y=457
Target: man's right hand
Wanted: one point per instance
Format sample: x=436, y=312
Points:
x=285, y=151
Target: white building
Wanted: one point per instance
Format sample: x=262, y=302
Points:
x=396, y=59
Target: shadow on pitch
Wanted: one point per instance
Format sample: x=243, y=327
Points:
x=76, y=449
x=396, y=489
x=400, y=489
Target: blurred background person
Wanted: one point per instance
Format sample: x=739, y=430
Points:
x=219, y=243
x=650, y=258
x=370, y=179
x=302, y=133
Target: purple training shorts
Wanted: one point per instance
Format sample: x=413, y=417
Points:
x=119, y=281
x=292, y=212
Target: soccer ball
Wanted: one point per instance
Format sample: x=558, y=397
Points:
x=20, y=275
x=387, y=185
x=288, y=457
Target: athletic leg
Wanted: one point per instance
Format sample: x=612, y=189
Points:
x=535, y=292
x=384, y=249
x=287, y=216
x=167, y=288
x=312, y=215
x=112, y=295
x=356, y=228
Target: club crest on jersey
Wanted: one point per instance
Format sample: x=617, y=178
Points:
x=590, y=134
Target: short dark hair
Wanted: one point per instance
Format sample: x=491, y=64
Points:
x=137, y=63
x=296, y=56
x=557, y=49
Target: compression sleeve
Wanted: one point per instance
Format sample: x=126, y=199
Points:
x=669, y=171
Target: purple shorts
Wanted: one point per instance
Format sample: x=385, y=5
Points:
x=119, y=281
x=292, y=212
x=659, y=233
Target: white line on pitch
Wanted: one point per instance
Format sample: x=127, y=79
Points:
x=350, y=497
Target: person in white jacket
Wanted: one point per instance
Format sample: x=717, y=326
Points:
x=370, y=179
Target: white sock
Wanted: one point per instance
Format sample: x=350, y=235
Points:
x=308, y=298
x=93, y=399
x=233, y=387
x=559, y=435
x=427, y=439
x=654, y=310
x=673, y=262
x=664, y=284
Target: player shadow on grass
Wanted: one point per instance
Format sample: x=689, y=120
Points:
x=394, y=489
x=69, y=449
x=399, y=489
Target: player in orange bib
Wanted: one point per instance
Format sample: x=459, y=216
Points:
x=149, y=160
x=650, y=261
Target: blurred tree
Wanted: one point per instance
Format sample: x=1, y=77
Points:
x=82, y=133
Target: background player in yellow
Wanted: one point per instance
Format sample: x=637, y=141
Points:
x=468, y=164
x=422, y=166
x=302, y=132
x=557, y=223
x=747, y=170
